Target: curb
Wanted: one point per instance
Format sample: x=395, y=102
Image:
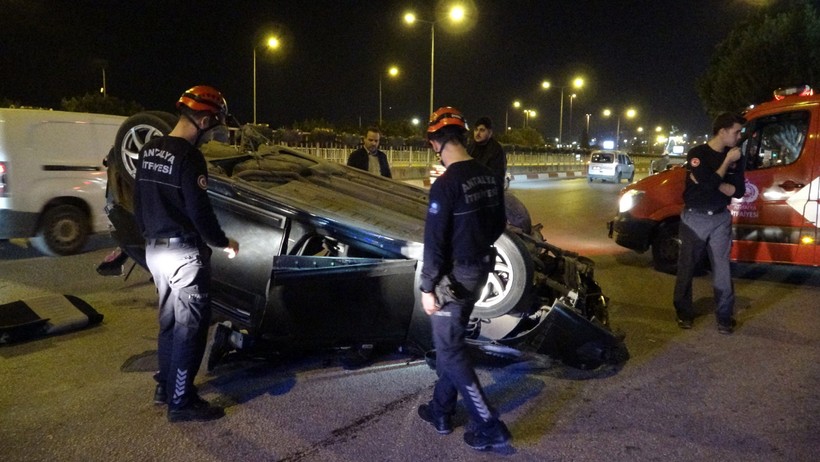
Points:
x=548, y=176
x=517, y=177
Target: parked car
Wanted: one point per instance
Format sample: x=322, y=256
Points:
x=331, y=256
x=52, y=178
x=610, y=166
x=776, y=221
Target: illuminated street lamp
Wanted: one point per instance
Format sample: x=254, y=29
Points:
x=629, y=113
x=456, y=14
x=271, y=43
x=577, y=83
x=528, y=113
x=392, y=71
x=516, y=104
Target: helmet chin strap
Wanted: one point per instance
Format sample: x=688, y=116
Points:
x=200, y=131
x=442, y=148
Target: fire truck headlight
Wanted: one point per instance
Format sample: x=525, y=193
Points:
x=628, y=200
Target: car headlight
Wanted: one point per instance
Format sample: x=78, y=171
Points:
x=628, y=200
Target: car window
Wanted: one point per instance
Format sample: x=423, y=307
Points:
x=775, y=140
x=602, y=158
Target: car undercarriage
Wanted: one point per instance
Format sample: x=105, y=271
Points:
x=331, y=257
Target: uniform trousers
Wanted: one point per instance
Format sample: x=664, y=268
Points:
x=712, y=233
x=453, y=366
x=182, y=275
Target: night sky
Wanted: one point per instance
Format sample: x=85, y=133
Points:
x=646, y=54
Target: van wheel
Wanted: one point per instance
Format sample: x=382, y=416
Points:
x=509, y=286
x=63, y=230
x=666, y=248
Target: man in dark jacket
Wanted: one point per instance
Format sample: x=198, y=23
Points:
x=369, y=157
x=715, y=174
x=174, y=214
x=464, y=218
x=486, y=150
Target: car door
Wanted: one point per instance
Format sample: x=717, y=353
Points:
x=777, y=212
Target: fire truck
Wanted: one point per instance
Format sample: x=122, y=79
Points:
x=776, y=221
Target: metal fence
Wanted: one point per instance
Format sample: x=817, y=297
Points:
x=414, y=157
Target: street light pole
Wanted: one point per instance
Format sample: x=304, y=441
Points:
x=571, y=97
x=629, y=113
x=272, y=43
x=254, y=84
x=391, y=71
x=456, y=14
x=432, y=60
x=578, y=82
x=561, y=120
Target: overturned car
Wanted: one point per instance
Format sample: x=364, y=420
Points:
x=331, y=258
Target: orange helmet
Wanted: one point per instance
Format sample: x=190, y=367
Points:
x=204, y=98
x=445, y=116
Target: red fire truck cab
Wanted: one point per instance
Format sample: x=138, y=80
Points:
x=776, y=221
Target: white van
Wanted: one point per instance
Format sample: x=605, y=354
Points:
x=52, y=178
x=610, y=166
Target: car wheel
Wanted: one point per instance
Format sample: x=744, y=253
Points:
x=131, y=137
x=666, y=248
x=631, y=177
x=63, y=230
x=135, y=132
x=618, y=178
x=509, y=286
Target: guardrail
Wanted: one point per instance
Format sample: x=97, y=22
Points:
x=409, y=163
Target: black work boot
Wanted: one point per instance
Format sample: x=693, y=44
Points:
x=160, y=396
x=496, y=436
x=442, y=424
x=196, y=409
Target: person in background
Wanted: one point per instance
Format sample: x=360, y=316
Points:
x=369, y=157
x=486, y=150
x=465, y=216
x=715, y=174
x=175, y=216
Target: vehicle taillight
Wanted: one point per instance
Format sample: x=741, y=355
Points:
x=3, y=175
x=802, y=90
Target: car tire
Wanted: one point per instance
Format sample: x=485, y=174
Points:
x=666, y=247
x=63, y=230
x=631, y=177
x=131, y=136
x=618, y=178
x=509, y=287
x=135, y=132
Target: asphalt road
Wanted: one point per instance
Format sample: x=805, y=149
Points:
x=684, y=395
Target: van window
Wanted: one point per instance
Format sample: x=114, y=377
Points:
x=602, y=158
x=775, y=140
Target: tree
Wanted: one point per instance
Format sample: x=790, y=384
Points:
x=100, y=104
x=527, y=136
x=777, y=47
x=6, y=102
